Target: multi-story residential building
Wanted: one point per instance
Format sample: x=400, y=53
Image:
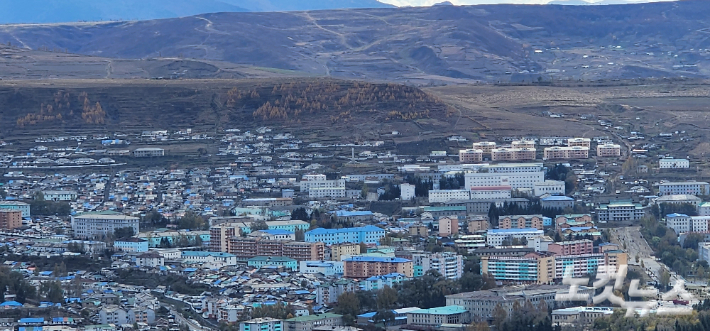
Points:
x=677, y=199
x=481, y=304
x=274, y=234
x=681, y=223
x=485, y=146
x=608, y=150
x=327, y=293
x=339, y=251
x=113, y=315
x=141, y=315
x=513, y=154
x=621, y=210
x=262, y=324
x=689, y=187
x=523, y=143
x=148, y=152
x=573, y=247
x=449, y=265
x=10, y=219
x=552, y=187
x=513, y=168
x=407, y=192
x=245, y=248
x=150, y=259
x=434, y=317
x=367, y=266
x=515, y=180
x=586, y=264
x=367, y=234
x=704, y=209
x=670, y=163
x=16, y=205
x=477, y=224
x=310, y=322
x=220, y=234
x=59, y=195
x=268, y=202
x=704, y=251
x=318, y=186
x=559, y=153
x=217, y=258
x=490, y=192
x=304, y=251
x=101, y=225
x=420, y=230
x=375, y=283
x=131, y=245
x=273, y=261
x=532, y=268
x=520, y=222
x=448, y=226
x=579, y=142
x=441, y=196
x=495, y=237
x=327, y=268
x=470, y=155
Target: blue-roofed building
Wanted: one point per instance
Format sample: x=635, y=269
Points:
x=136, y=245
x=364, y=267
x=10, y=305
x=438, y=316
x=400, y=317
x=367, y=234
x=353, y=216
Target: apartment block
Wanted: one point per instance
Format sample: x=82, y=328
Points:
x=18, y=205
x=562, y=153
x=318, y=186
x=523, y=144
x=367, y=266
x=441, y=196
x=304, y=251
x=585, y=264
x=495, y=237
x=367, y=234
x=448, y=226
x=579, y=142
x=485, y=146
x=516, y=180
x=246, y=248
x=490, y=192
x=513, y=154
x=532, y=268
x=10, y=219
x=449, y=265
x=670, y=163
x=681, y=223
x=553, y=187
x=338, y=251
x=99, y=225
x=608, y=150
x=622, y=210
x=573, y=247
x=470, y=155
x=262, y=324
x=573, y=220
x=689, y=187
x=520, y=222
x=477, y=224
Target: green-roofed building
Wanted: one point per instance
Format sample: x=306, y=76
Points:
x=273, y=261
x=438, y=316
x=308, y=323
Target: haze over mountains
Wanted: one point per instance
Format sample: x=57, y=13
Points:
x=422, y=45
x=55, y=11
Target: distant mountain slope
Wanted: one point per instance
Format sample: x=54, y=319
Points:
x=441, y=44
x=57, y=11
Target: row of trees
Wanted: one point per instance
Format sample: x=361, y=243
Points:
x=40, y=206
x=665, y=245
x=421, y=187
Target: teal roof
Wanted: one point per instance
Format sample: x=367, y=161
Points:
x=447, y=310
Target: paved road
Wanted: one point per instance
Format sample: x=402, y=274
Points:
x=636, y=245
x=192, y=324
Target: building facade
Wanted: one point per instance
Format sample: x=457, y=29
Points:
x=609, y=150
x=17, y=205
x=690, y=187
x=495, y=237
x=10, y=219
x=88, y=226
x=367, y=266
x=367, y=234
x=520, y=222
x=673, y=164
x=562, y=153
x=470, y=155
x=621, y=210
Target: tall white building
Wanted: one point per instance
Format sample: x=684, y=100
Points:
x=681, y=223
x=98, y=225
x=318, y=186
x=673, y=164
x=407, y=191
x=516, y=180
x=449, y=265
x=447, y=195
x=689, y=187
x=495, y=237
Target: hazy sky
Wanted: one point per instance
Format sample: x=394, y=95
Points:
x=478, y=2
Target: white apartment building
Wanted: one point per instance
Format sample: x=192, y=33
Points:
x=59, y=195
x=495, y=237
x=407, y=191
x=620, y=211
x=332, y=192
x=553, y=187
x=16, y=205
x=92, y=226
x=681, y=223
x=470, y=242
x=470, y=155
x=491, y=192
x=704, y=251
x=309, y=182
x=507, y=168
x=689, y=187
x=608, y=150
x=449, y=265
x=516, y=180
x=673, y=164
x=441, y=196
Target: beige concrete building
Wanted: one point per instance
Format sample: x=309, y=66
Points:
x=485, y=146
x=513, y=154
x=579, y=142
x=448, y=226
x=520, y=222
x=561, y=153
x=609, y=150
x=338, y=251
x=419, y=230
x=523, y=144
x=368, y=266
x=10, y=219
x=477, y=225
x=470, y=155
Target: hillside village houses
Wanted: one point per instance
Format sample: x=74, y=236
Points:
x=249, y=251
